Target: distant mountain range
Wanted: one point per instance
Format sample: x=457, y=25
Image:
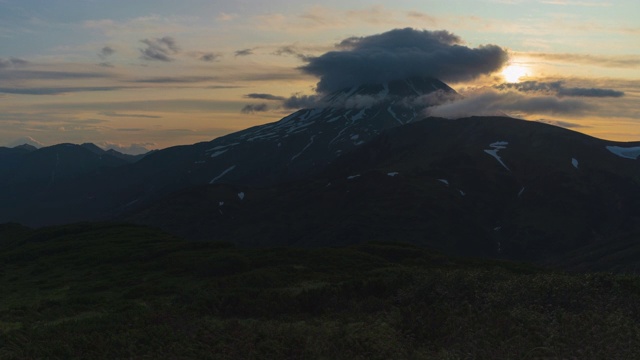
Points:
x=363, y=165
x=27, y=173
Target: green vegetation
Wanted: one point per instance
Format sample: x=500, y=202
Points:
x=105, y=291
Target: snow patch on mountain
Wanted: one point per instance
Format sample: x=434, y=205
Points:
x=222, y=174
x=393, y=173
x=574, y=162
x=353, y=177
x=267, y=136
x=241, y=195
x=495, y=147
x=305, y=148
x=359, y=115
x=625, y=152
x=385, y=91
x=299, y=126
x=392, y=113
x=444, y=181
x=220, y=147
x=219, y=152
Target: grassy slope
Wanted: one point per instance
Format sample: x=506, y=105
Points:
x=121, y=291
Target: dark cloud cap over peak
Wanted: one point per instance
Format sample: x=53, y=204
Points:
x=402, y=53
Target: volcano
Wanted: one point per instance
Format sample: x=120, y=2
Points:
x=298, y=146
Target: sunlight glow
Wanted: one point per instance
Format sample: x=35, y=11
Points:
x=513, y=73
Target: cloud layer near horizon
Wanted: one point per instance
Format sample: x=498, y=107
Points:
x=492, y=102
x=400, y=54
x=557, y=88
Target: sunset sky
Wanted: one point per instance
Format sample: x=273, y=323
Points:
x=148, y=74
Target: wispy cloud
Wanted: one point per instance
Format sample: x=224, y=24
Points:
x=12, y=62
x=159, y=49
x=209, y=56
x=612, y=61
x=175, y=79
x=125, y=115
x=253, y=108
x=132, y=149
x=226, y=17
x=301, y=101
x=167, y=106
x=491, y=102
x=56, y=90
x=244, y=52
x=557, y=88
x=564, y=124
x=105, y=52
x=51, y=75
x=265, y=97
x=291, y=50
x=577, y=3
x=319, y=18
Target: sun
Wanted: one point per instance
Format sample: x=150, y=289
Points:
x=513, y=73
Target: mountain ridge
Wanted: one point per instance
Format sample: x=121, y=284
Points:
x=437, y=183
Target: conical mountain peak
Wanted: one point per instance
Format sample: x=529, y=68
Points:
x=405, y=91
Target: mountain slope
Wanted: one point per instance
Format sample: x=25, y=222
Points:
x=496, y=187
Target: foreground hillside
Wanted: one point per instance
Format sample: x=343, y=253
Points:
x=119, y=291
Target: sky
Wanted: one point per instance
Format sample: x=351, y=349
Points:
x=149, y=74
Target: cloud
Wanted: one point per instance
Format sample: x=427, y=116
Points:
x=557, y=88
x=244, y=52
x=159, y=49
x=115, y=114
x=131, y=149
x=217, y=87
x=57, y=90
x=105, y=52
x=491, y=102
x=359, y=101
x=26, y=140
x=300, y=101
x=265, y=97
x=209, y=57
x=399, y=54
x=175, y=80
x=291, y=50
x=577, y=3
x=564, y=124
x=12, y=62
x=438, y=97
x=423, y=17
x=590, y=92
x=226, y=17
x=50, y=75
x=181, y=106
x=610, y=61
x=253, y=108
